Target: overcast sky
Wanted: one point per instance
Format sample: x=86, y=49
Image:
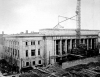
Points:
x=20, y=15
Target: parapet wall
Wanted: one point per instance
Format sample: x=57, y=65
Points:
x=67, y=32
x=81, y=61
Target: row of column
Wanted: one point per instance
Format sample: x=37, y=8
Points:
x=62, y=46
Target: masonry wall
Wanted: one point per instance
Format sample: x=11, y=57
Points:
x=49, y=50
x=22, y=59
x=81, y=61
x=30, y=58
x=99, y=41
x=67, y=32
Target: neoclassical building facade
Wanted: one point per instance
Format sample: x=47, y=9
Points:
x=36, y=49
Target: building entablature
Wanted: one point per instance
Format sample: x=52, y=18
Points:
x=54, y=32
x=23, y=35
x=69, y=37
x=67, y=32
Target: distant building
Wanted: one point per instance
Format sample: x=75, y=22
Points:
x=1, y=44
x=1, y=38
x=36, y=49
x=99, y=41
x=24, y=49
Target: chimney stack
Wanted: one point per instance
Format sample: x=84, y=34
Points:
x=2, y=32
x=26, y=31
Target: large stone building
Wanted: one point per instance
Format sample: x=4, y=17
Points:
x=31, y=49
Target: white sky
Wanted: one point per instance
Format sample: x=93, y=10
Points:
x=20, y=15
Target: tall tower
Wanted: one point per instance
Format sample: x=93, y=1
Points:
x=78, y=22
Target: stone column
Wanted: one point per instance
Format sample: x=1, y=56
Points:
x=83, y=41
x=70, y=44
x=55, y=50
x=60, y=46
x=53, y=53
x=75, y=42
x=80, y=41
x=91, y=43
x=66, y=46
x=96, y=42
x=54, y=47
x=87, y=44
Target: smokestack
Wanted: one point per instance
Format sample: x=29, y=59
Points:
x=26, y=31
x=2, y=32
x=21, y=32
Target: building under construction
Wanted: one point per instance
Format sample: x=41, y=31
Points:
x=49, y=46
x=43, y=48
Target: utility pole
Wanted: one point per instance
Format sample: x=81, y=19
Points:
x=78, y=22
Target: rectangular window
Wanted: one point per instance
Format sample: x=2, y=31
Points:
x=32, y=42
x=26, y=43
x=38, y=51
x=33, y=62
x=18, y=43
x=18, y=53
x=27, y=63
x=38, y=42
x=13, y=52
x=11, y=49
x=39, y=61
x=26, y=53
x=33, y=52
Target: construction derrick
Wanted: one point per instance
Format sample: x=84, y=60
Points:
x=78, y=22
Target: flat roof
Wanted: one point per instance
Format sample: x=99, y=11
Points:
x=55, y=32
x=25, y=35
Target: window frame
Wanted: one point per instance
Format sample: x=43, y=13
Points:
x=32, y=52
x=26, y=43
x=40, y=62
x=32, y=42
x=39, y=52
x=26, y=53
x=28, y=63
x=33, y=63
x=39, y=42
